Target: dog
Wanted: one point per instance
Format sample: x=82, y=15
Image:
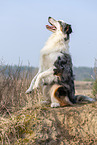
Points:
x=55, y=73
x=57, y=43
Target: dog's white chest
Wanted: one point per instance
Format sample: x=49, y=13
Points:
x=54, y=56
x=51, y=58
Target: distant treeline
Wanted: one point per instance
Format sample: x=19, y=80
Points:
x=80, y=73
x=84, y=73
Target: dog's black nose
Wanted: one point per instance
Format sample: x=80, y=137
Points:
x=49, y=17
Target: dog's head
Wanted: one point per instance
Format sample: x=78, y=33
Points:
x=59, y=26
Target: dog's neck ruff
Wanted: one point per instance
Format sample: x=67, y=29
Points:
x=57, y=43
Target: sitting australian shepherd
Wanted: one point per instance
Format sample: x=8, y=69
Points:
x=55, y=74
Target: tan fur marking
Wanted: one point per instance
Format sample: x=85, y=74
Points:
x=61, y=100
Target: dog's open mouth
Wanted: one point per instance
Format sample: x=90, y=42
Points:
x=51, y=28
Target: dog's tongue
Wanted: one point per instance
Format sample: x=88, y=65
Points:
x=50, y=27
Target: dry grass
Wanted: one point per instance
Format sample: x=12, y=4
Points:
x=24, y=121
x=12, y=88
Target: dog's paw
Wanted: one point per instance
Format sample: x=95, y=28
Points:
x=54, y=105
x=28, y=91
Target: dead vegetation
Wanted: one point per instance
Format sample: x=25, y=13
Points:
x=23, y=120
x=95, y=83
x=13, y=85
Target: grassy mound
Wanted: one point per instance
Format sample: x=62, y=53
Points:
x=44, y=125
x=23, y=120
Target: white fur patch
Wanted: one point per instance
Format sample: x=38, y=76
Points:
x=54, y=105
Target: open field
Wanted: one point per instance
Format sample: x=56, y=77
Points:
x=84, y=88
x=35, y=124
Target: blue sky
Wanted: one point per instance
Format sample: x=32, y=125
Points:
x=23, y=32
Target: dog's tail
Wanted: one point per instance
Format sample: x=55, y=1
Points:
x=83, y=99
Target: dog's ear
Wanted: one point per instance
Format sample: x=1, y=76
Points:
x=68, y=29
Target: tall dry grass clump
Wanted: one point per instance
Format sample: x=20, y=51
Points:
x=14, y=81
x=95, y=82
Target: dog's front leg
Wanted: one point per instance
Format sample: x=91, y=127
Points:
x=32, y=83
x=42, y=75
